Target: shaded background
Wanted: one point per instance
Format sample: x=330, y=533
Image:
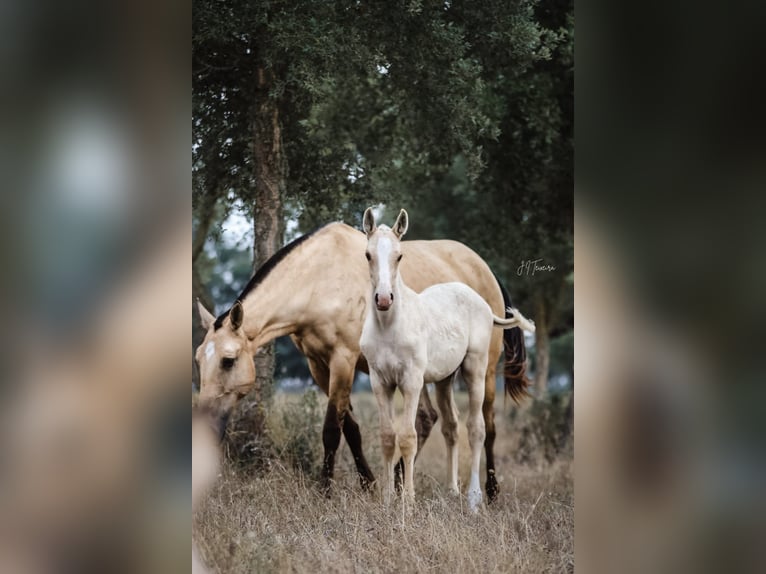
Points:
x=307, y=112
x=670, y=180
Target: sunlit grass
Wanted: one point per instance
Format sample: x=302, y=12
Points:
x=278, y=520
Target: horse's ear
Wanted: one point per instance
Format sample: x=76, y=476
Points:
x=236, y=315
x=368, y=222
x=402, y=222
x=206, y=318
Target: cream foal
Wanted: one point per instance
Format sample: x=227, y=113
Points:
x=410, y=339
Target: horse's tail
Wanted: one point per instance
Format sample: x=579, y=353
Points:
x=515, y=364
x=514, y=318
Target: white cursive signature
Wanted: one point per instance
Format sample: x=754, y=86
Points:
x=532, y=266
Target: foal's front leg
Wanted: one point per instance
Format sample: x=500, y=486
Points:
x=410, y=386
x=384, y=395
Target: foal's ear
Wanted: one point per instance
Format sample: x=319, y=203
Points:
x=368, y=222
x=237, y=314
x=206, y=318
x=402, y=222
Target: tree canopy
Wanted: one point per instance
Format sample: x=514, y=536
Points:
x=459, y=111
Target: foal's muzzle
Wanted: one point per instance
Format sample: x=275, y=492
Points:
x=384, y=302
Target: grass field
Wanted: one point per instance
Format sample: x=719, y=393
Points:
x=278, y=520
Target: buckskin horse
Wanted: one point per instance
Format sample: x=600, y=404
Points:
x=315, y=289
x=410, y=339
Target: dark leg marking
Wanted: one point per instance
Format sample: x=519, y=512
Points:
x=331, y=441
x=489, y=446
x=354, y=440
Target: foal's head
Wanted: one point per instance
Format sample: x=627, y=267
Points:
x=384, y=251
x=226, y=367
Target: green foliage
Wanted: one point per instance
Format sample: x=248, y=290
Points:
x=374, y=97
x=293, y=436
x=297, y=438
x=545, y=428
x=462, y=112
x=562, y=354
x=290, y=362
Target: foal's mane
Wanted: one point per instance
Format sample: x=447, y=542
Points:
x=264, y=270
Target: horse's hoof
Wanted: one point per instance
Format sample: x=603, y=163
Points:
x=491, y=487
x=367, y=484
x=474, y=500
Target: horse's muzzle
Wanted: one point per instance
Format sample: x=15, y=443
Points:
x=384, y=302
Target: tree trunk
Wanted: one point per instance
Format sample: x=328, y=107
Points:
x=206, y=215
x=542, y=347
x=270, y=171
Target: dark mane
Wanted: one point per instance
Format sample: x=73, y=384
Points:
x=263, y=271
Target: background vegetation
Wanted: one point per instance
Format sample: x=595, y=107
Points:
x=306, y=112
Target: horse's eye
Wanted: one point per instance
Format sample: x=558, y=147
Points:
x=399, y=258
x=227, y=363
x=368, y=256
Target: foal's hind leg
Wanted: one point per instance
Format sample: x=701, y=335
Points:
x=474, y=368
x=446, y=403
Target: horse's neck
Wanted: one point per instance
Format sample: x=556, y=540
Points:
x=406, y=296
x=272, y=309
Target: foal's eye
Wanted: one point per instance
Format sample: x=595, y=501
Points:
x=400, y=257
x=227, y=363
x=368, y=256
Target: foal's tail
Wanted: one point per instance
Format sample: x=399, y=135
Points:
x=514, y=318
x=515, y=364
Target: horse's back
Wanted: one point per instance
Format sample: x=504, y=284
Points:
x=335, y=279
x=426, y=263
x=456, y=321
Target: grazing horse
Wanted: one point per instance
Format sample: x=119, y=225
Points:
x=410, y=339
x=315, y=289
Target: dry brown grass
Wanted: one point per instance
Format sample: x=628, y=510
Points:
x=278, y=520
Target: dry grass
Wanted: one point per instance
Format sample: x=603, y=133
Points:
x=278, y=520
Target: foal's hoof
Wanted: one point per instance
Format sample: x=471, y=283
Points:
x=474, y=500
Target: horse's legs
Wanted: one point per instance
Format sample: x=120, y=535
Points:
x=425, y=421
x=385, y=395
x=354, y=440
x=341, y=378
x=321, y=375
x=474, y=369
x=488, y=409
x=408, y=437
x=446, y=403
